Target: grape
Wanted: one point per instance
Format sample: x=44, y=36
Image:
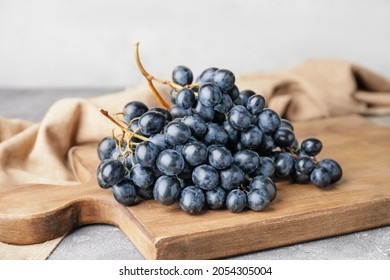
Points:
x=284, y=137
x=166, y=190
x=311, y=146
x=112, y=171
x=125, y=192
x=333, y=168
x=231, y=177
x=141, y=176
x=182, y=75
x=170, y=162
x=105, y=147
x=133, y=110
x=151, y=122
x=185, y=98
x=239, y=117
x=283, y=164
x=207, y=75
x=224, y=79
x=247, y=160
x=146, y=153
x=268, y=120
x=245, y=95
x=255, y=104
x=251, y=138
x=206, y=112
x=192, y=200
x=219, y=156
x=235, y=201
x=304, y=164
x=215, y=198
x=257, y=199
x=320, y=177
x=205, y=177
x=195, y=153
x=209, y=95
x=176, y=133
x=196, y=124
x=264, y=183
x=215, y=134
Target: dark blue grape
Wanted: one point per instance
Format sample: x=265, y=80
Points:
x=185, y=98
x=255, y=104
x=224, y=79
x=125, y=192
x=192, y=200
x=178, y=112
x=247, y=160
x=170, y=162
x=257, y=199
x=268, y=120
x=101, y=182
x=206, y=112
x=177, y=133
x=265, y=168
x=251, y=138
x=299, y=178
x=239, y=118
x=287, y=124
x=232, y=133
x=151, y=123
x=194, y=153
x=266, y=184
x=205, y=177
x=182, y=75
x=186, y=173
x=215, y=198
x=320, y=177
x=219, y=156
x=236, y=201
x=215, y=134
x=245, y=95
x=163, y=111
x=231, y=177
x=112, y=171
x=209, y=95
x=333, y=168
x=133, y=110
x=105, y=147
x=311, y=146
x=166, y=190
x=158, y=139
x=196, y=124
x=142, y=177
x=146, y=153
x=234, y=92
x=207, y=75
x=284, y=137
x=145, y=193
x=225, y=105
x=304, y=164
x=284, y=163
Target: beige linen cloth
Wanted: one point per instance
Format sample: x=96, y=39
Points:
x=315, y=89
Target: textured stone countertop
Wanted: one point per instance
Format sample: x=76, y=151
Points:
x=108, y=242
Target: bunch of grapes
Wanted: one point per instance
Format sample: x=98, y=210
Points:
x=216, y=147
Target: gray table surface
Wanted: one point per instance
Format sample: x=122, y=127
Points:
x=108, y=242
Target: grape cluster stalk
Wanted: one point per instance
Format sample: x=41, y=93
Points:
x=216, y=147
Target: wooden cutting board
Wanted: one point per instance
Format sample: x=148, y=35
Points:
x=361, y=200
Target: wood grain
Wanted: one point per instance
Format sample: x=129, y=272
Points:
x=361, y=200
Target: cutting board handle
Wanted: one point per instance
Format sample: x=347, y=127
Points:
x=36, y=213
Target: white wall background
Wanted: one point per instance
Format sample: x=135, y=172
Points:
x=89, y=43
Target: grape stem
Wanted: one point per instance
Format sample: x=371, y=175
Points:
x=124, y=129
x=151, y=78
